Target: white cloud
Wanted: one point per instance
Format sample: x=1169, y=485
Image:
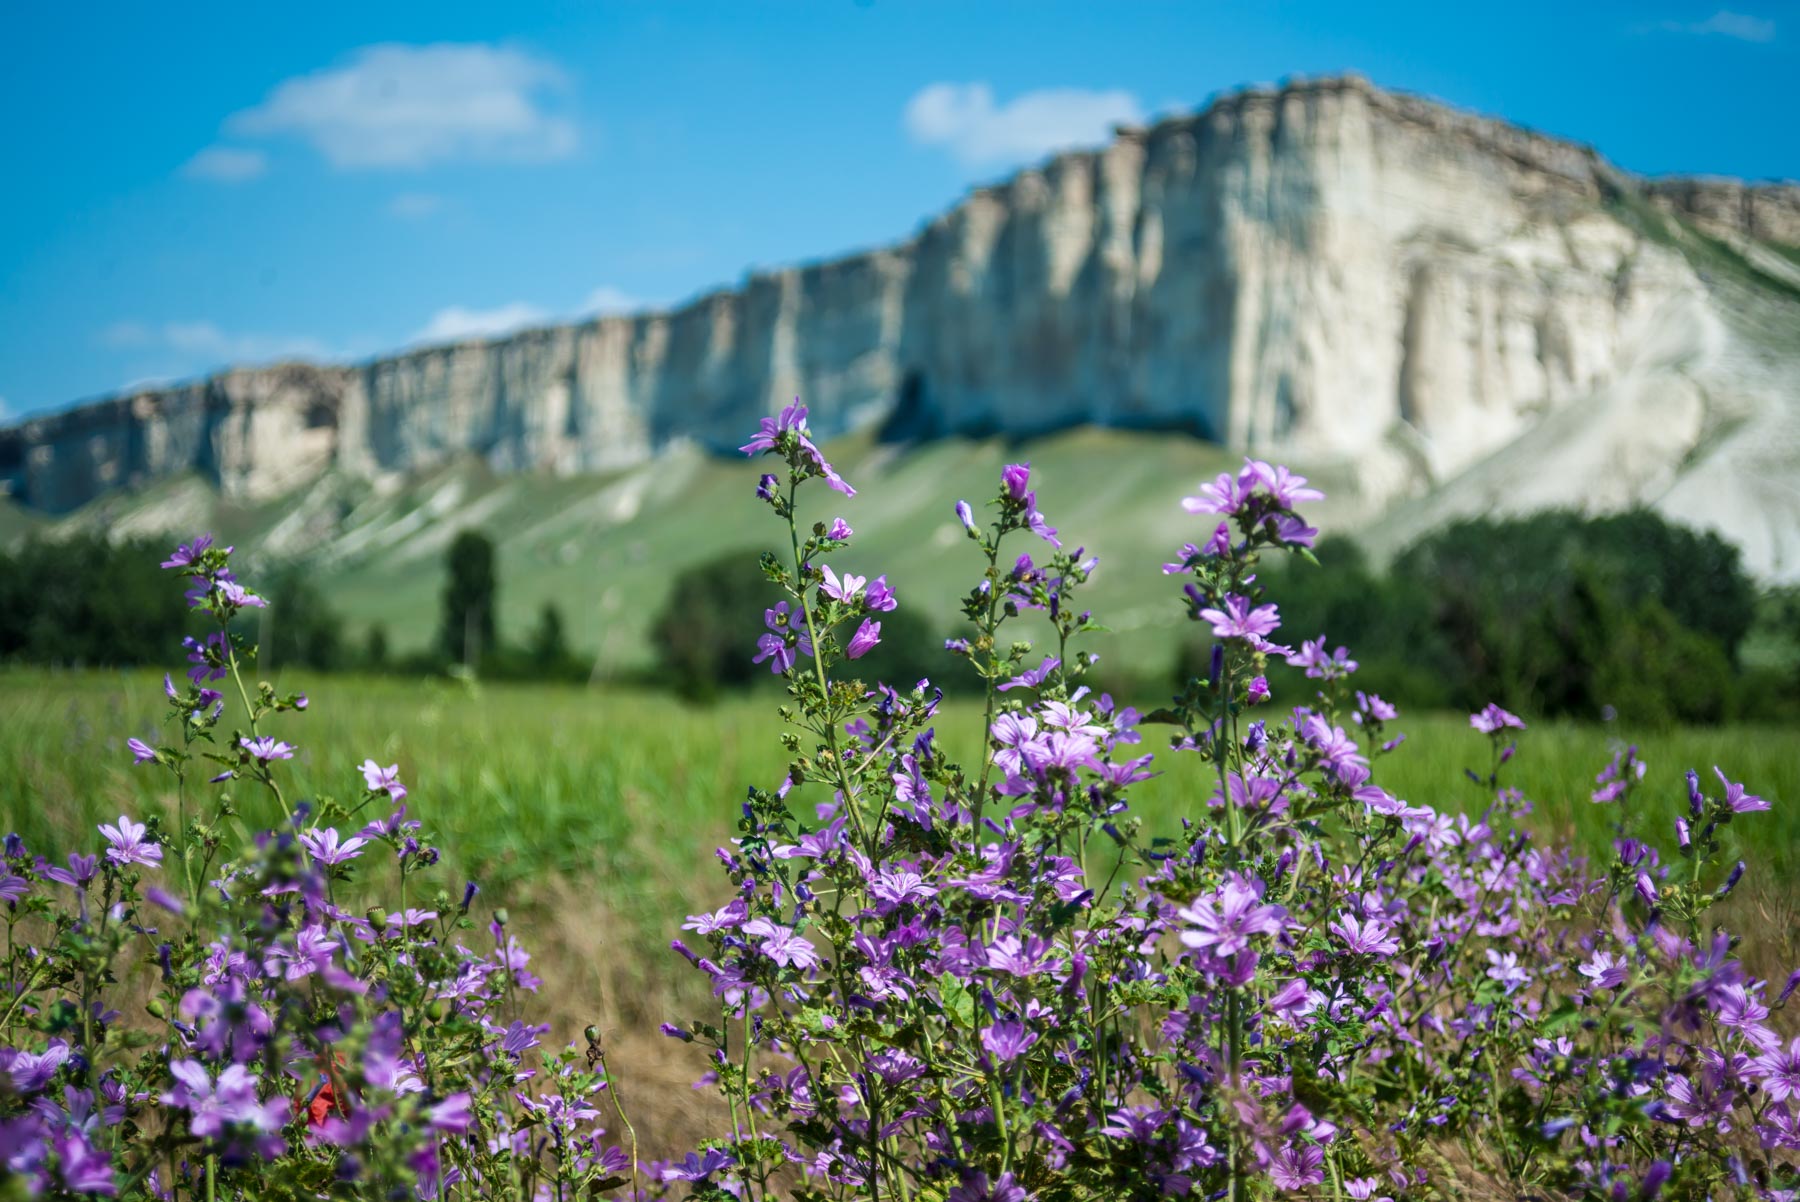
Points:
x=1727, y=24
x=606, y=300
x=226, y=164
x=457, y=323
x=415, y=206
x=203, y=343
x=411, y=106
x=964, y=119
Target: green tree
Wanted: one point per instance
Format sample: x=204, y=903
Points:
x=467, y=632
x=299, y=629
x=705, y=634
x=375, y=651
x=85, y=600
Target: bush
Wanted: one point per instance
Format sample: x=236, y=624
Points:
x=706, y=630
x=87, y=601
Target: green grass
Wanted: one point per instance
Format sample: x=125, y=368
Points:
x=604, y=806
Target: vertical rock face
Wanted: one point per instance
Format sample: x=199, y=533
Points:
x=1326, y=271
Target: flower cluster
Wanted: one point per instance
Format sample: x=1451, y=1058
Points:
x=192, y=1014
x=985, y=983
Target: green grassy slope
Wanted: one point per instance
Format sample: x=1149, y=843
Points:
x=604, y=547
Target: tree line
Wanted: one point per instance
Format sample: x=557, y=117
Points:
x=1555, y=613
x=87, y=601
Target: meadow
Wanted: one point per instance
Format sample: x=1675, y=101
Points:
x=594, y=813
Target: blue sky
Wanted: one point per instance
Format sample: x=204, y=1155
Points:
x=196, y=184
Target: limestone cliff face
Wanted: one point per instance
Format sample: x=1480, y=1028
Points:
x=1325, y=271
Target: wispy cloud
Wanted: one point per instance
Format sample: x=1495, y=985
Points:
x=457, y=323
x=415, y=206
x=606, y=300
x=205, y=344
x=964, y=119
x=1727, y=24
x=226, y=164
x=399, y=106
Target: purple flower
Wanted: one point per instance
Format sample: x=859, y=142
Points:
x=1365, y=938
x=383, y=780
x=1223, y=925
x=214, y=1106
x=1736, y=799
x=975, y=1188
x=1778, y=1070
x=208, y=655
x=1240, y=620
x=452, y=1114
x=266, y=749
x=1504, y=968
x=839, y=531
x=81, y=871
x=1605, y=970
x=1284, y=488
x=31, y=1071
x=311, y=953
x=1296, y=1166
x=324, y=846
x=141, y=752
x=128, y=845
x=880, y=597
x=1015, y=478
x=844, y=590
x=1222, y=496
x=1492, y=719
x=898, y=887
x=698, y=1166
x=13, y=888
x=791, y=417
x=1294, y=532
x=864, y=640
x=185, y=555
x=1318, y=664
x=1007, y=1041
x=236, y=594
x=781, y=944
x=85, y=1169
x=966, y=515
x=765, y=487
x=1038, y=525
x=1033, y=677
x=774, y=648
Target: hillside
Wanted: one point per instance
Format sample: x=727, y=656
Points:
x=1438, y=312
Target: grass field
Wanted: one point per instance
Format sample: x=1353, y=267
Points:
x=592, y=816
x=603, y=807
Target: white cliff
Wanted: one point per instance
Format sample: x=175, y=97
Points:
x=1327, y=271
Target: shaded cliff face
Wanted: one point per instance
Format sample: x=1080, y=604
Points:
x=1328, y=272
